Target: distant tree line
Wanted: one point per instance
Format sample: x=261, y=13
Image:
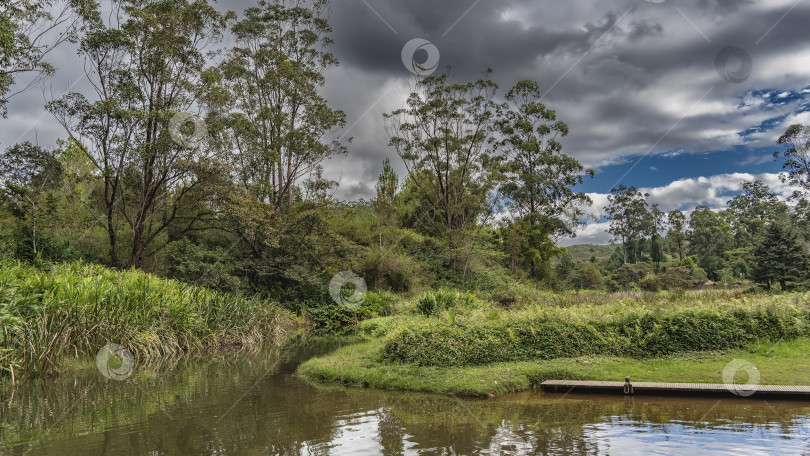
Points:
x=755, y=238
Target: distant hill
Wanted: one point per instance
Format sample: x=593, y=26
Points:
x=584, y=252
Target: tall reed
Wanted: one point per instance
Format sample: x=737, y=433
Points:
x=73, y=309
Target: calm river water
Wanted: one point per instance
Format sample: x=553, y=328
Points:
x=253, y=404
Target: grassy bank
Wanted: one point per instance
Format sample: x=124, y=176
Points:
x=780, y=363
x=72, y=310
x=462, y=345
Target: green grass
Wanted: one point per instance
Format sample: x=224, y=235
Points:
x=71, y=310
x=781, y=363
x=478, y=348
x=473, y=332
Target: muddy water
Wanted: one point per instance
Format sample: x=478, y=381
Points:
x=253, y=404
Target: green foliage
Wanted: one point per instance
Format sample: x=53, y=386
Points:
x=683, y=277
x=434, y=302
x=710, y=236
x=267, y=103
x=330, y=317
x=630, y=275
x=630, y=218
x=75, y=309
x=616, y=330
x=587, y=277
x=539, y=179
x=451, y=171
x=780, y=257
x=796, y=157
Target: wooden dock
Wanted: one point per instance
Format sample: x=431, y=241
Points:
x=680, y=389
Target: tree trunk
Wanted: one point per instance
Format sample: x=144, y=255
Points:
x=111, y=234
x=34, y=226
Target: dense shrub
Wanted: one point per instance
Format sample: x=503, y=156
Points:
x=433, y=302
x=384, y=269
x=330, y=317
x=683, y=277
x=628, y=276
x=635, y=331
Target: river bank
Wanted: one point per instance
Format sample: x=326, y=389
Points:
x=781, y=363
x=472, y=348
x=53, y=317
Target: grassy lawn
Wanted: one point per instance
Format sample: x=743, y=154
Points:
x=780, y=363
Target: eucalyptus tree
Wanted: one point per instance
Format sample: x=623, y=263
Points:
x=656, y=226
x=145, y=64
x=753, y=210
x=30, y=30
x=540, y=178
x=629, y=218
x=796, y=157
x=384, y=207
x=442, y=135
x=278, y=127
x=710, y=237
x=676, y=233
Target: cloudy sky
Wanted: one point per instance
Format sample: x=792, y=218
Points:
x=682, y=98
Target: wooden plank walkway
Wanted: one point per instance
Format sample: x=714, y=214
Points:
x=683, y=389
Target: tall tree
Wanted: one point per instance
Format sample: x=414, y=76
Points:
x=540, y=178
x=676, y=235
x=277, y=122
x=629, y=218
x=752, y=210
x=780, y=257
x=441, y=135
x=387, y=185
x=796, y=157
x=145, y=65
x=655, y=227
x=710, y=236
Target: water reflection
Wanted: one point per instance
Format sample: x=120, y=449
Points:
x=252, y=404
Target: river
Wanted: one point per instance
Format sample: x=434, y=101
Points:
x=253, y=404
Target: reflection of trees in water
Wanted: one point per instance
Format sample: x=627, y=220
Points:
x=177, y=409
x=561, y=427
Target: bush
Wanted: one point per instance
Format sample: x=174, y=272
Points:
x=650, y=283
x=682, y=277
x=617, y=330
x=629, y=275
x=433, y=302
x=384, y=269
x=330, y=317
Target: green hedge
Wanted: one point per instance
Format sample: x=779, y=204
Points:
x=641, y=333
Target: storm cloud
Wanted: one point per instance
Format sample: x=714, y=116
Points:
x=632, y=78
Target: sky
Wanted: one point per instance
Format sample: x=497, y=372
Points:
x=684, y=99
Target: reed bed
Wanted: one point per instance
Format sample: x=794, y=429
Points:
x=73, y=309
